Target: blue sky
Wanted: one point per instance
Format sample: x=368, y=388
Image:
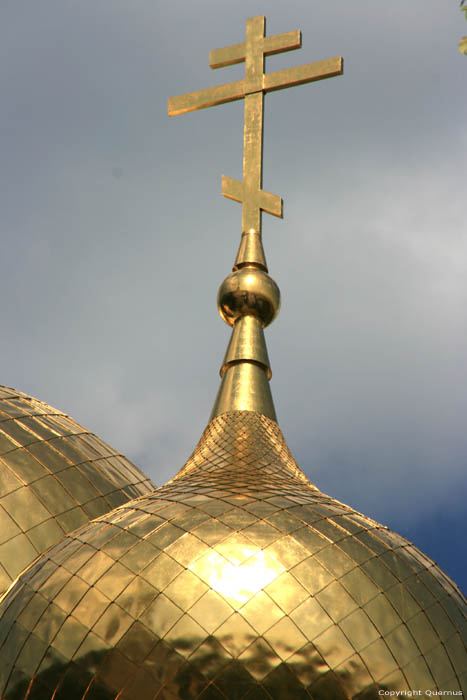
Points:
x=115, y=238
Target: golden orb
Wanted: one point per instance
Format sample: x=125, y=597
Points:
x=54, y=476
x=238, y=580
x=248, y=291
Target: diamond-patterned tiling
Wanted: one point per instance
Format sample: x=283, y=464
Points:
x=54, y=477
x=237, y=580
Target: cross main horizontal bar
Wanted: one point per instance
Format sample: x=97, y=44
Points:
x=206, y=98
x=271, y=81
x=303, y=74
x=228, y=56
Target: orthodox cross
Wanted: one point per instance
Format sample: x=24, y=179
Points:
x=252, y=88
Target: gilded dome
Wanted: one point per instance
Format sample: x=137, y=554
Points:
x=238, y=579
x=54, y=476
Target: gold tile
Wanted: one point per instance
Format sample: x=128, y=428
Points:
x=261, y=612
x=398, y=563
x=209, y=659
x=69, y=637
x=440, y=621
x=8, y=527
x=16, y=431
x=24, y=507
x=139, y=556
x=285, y=638
x=45, y=535
x=165, y=535
x=9, y=481
x=137, y=642
x=48, y=457
x=423, y=632
x=335, y=561
x=24, y=466
x=418, y=674
x=136, y=597
x=311, y=618
x=91, y=607
x=379, y=573
x=161, y=615
x=333, y=646
x=353, y=675
x=190, y=518
x=355, y=550
x=382, y=614
x=286, y=592
x=439, y=665
x=114, y=580
x=32, y=612
x=185, y=589
x=402, y=601
x=112, y=625
x=357, y=583
x=72, y=519
x=402, y=645
x=336, y=601
x=288, y=551
x=81, y=555
x=186, y=549
x=284, y=521
x=259, y=659
x=379, y=660
x=235, y=634
x=161, y=571
x=311, y=575
x=71, y=594
x=33, y=649
x=211, y=611
x=212, y=531
x=93, y=569
x=359, y=629
x=7, y=443
x=237, y=518
x=457, y=652
x=16, y=554
x=396, y=681
x=236, y=548
x=310, y=539
x=330, y=530
x=185, y=635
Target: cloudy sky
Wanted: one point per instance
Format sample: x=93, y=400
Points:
x=115, y=238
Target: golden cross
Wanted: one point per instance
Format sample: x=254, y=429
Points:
x=252, y=88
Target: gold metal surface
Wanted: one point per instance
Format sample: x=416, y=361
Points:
x=248, y=292
x=247, y=344
x=54, y=476
x=239, y=579
x=252, y=88
x=244, y=387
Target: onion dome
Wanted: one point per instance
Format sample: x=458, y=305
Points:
x=238, y=579
x=54, y=476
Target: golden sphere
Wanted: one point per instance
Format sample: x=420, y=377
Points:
x=248, y=292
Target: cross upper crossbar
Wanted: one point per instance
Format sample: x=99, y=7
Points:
x=252, y=88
